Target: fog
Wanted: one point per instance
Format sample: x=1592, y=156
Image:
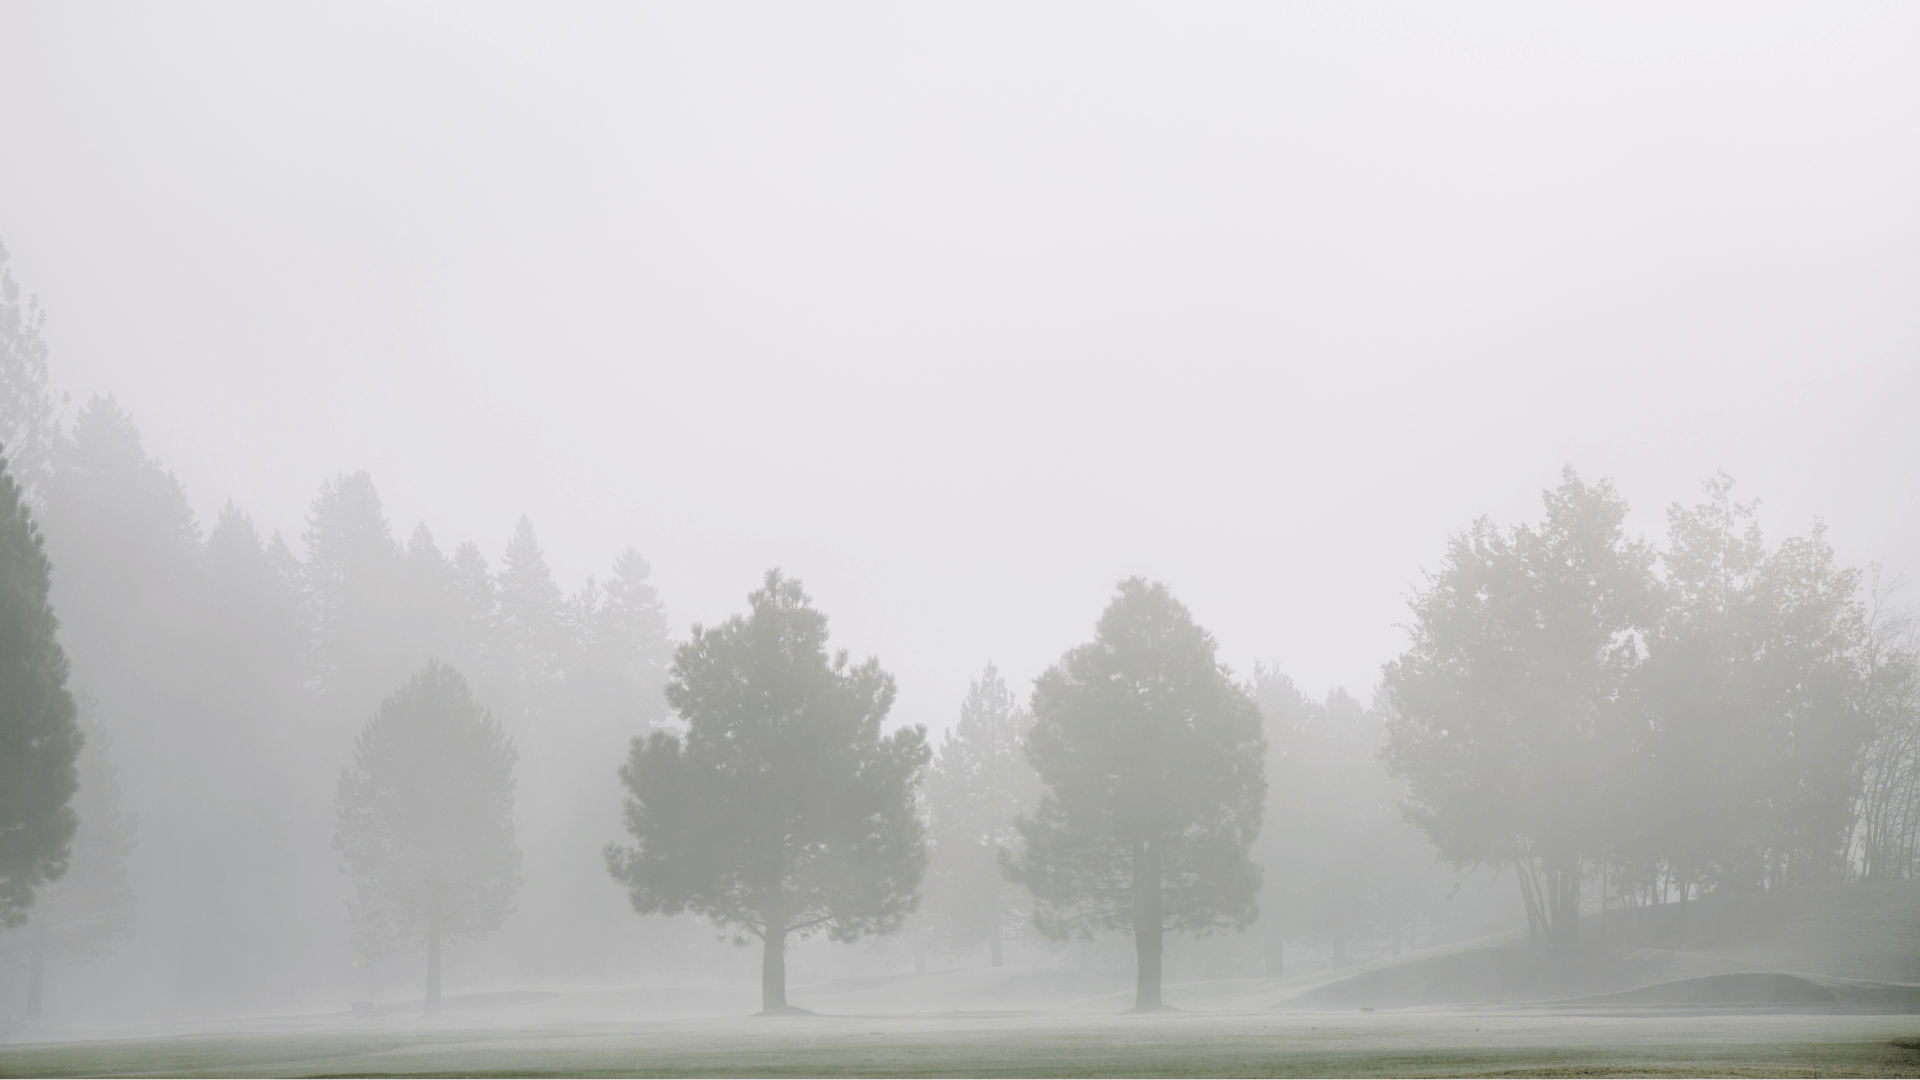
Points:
x=957, y=315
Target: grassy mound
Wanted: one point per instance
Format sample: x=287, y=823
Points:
x=1851, y=947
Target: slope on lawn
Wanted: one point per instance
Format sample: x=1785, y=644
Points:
x=1858, y=933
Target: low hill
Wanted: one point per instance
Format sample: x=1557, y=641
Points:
x=1867, y=933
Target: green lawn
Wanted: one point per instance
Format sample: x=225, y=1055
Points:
x=1424, y=1043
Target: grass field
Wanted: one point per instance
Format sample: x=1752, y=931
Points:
x=1456, y=1042
x=1822, y=982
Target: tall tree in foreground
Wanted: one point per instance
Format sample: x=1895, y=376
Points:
x=979, y=782
x=1153, y=764
x=785, y=811
x=39, y=738
x=1505, y=715
x=425, y=823
x=92, y=907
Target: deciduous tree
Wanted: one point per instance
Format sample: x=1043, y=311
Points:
x=1504, y=713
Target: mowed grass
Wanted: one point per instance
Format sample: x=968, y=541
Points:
x=1425, y=1043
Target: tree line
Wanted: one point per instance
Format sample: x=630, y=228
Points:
x=1619, y=725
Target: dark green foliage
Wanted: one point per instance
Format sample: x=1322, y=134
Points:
x=980, y=780
x=39, y=737
x=92, y=908
x=1153, y=764
x=784, y=811
x=424, y=822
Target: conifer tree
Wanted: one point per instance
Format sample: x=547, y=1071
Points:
x=785, y=812
x=39, y=736
x=1153, y=765
x=28, y=424
x=979, y=781
x=92, y=907
x=425, y=823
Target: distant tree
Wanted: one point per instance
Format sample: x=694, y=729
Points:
x=529, y=625
x=239, y=892
x=1751, y=708
x=425, y=823
x=1341, y=865
x=1889, y=818
x=366, y=636
x=1504, y=714
x=786, y=811
x=980, y=780
x=122, y=531
x=1153, y=764
x=39, y=738
x=92, y=907
x=29, y=422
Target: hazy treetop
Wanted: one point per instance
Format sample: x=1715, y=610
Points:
x=965, y=312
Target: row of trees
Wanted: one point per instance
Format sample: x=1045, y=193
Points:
x=233, y=669
x=1714, y=715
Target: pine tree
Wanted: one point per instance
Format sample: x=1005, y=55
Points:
x=363, y=631
x=39, y=737
x=29, y=426
x=980, y=780
x=1153, y=765
x=785, y=812
x=424, y=823
x=92, y=907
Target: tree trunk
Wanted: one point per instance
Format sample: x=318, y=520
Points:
x=1563, y=895
x=36, y=977
x=773, y=971
x=1148, y=931
x=433, y=964
x=993, y=947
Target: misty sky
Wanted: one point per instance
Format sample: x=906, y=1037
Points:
x=962, y=314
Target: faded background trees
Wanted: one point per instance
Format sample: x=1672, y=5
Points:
x=979, y=781
x=785, y=812
x=425, y=823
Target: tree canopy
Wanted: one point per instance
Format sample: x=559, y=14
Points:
x=39, y=735
x=980, y=780
x=425, y=823
x=1152, y=761
x=784, y=811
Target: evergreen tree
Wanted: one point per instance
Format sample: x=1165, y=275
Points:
x=529, y=626
x=39, y=738
x=365, y=636
x=785, y=812
x=121, y=530
x=92, y=907
x=425, y=823
x=29, y=424
x=979, y=781
x=1153, y=764
x=240, y=844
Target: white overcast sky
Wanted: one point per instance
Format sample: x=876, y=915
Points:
x=962, y=313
